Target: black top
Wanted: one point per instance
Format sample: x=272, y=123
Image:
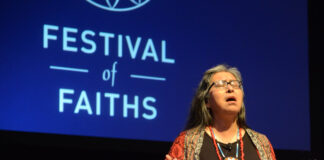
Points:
x=208, y=150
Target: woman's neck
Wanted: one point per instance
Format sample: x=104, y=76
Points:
x=226, y=129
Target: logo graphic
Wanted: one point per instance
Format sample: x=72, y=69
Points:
x=118, y=5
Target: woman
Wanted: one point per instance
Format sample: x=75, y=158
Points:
x=216, y=127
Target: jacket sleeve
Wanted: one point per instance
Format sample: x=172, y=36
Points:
x=177, y=148
x=266, y=145
x=263, y=145
x=273, y=155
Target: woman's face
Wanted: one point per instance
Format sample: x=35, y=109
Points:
x=224, y=100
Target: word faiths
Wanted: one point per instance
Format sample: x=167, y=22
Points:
x=129, y=106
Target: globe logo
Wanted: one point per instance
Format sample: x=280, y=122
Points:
x=118, y=5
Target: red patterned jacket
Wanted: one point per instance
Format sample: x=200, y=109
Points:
x=188, y=144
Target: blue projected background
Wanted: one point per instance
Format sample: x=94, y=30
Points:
x=79, y=68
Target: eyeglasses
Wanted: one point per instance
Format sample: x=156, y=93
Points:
x=222, y=84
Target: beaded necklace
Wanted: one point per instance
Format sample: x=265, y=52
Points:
x=219, y=149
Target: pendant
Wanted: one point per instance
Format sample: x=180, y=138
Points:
x=230, y=158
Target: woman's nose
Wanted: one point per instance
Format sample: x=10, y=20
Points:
x=229, y=88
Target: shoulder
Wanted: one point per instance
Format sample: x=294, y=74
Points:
x=194, y=131
x=177, y=148
x=257, y=135
x=181, y=137
x=186, y=140
x=187, y=133
x=262, y=143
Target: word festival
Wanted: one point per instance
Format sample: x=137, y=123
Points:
x=71, y=35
